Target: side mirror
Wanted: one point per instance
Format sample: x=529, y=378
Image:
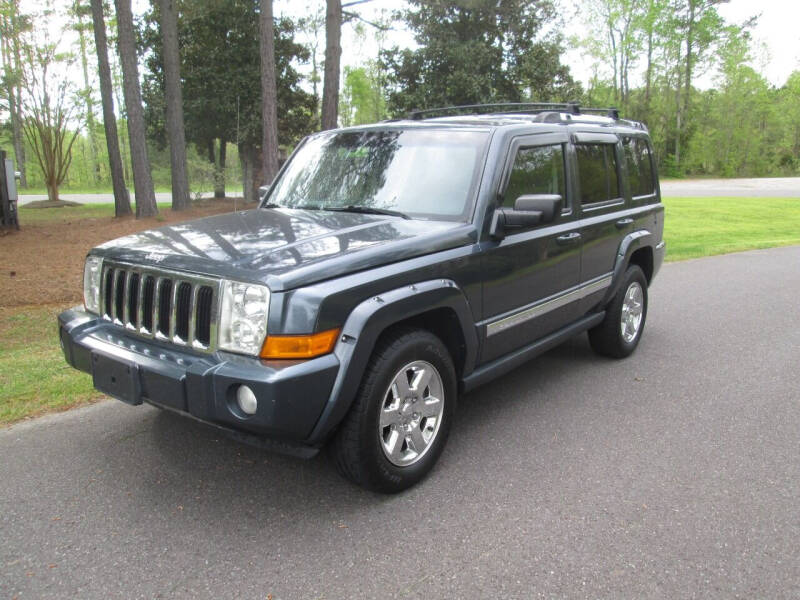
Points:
x=262, y=192
x=529, y=211
x=549, y=205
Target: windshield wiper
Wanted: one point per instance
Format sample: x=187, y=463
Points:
x=368, y=210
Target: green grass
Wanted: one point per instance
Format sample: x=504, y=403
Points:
x=695, y=227
x=35, y=378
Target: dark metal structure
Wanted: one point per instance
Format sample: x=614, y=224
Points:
x=8, y=193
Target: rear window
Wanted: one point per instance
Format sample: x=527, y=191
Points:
x=597, y=172
x=639, y=164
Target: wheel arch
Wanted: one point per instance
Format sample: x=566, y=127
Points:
x=635, y=248
x=438, y=305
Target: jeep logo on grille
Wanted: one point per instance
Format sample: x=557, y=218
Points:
x=155, y=257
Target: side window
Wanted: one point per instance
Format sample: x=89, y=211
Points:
x=537, y=170
x=640, y=166
x=598, y=172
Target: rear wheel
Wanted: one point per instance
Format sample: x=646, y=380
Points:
x=619, y=333
x=400, y=419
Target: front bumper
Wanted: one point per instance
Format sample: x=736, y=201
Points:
x=291, y=395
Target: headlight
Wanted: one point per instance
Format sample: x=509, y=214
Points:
x=243, y=317
x=92, y=272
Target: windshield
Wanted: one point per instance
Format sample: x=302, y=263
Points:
x=426, y=174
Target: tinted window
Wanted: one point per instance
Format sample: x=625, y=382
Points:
x=538, y=170
x=424, y=173
x=597, y=169
x=640, y=167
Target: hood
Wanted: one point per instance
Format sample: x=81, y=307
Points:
x=287, y=248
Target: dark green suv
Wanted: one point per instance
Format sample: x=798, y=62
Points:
x=388, y=269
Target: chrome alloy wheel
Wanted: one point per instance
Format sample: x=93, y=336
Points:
x=632, y=312
x=411, y=413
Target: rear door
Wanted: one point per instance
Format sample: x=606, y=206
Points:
x=600, y=199
x=529, y=274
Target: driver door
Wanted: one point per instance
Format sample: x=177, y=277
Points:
x=530, y=273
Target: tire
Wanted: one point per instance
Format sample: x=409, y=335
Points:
x=389, y=441
x=608, y=338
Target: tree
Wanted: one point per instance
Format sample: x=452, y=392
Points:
x=478, y=51
x=79, y=11
x=333, y=54
x=122, y=202
x=174, y=106
x=12, y=26
x=362, y=98
x=269, y=93
x=697, y=27
x=312, y=25
x=47, y=109
x=142, y=179
x=221, y=104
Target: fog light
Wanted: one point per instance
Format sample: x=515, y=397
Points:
x=246, y=400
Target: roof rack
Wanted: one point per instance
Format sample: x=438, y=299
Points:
x=515, y=107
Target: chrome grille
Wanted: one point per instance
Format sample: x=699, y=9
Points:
x=166, y=305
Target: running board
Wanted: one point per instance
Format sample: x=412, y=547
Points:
x=504, y=364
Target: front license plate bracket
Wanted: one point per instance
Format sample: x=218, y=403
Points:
x=116, y=378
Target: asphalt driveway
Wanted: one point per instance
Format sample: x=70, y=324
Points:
x=672, y=474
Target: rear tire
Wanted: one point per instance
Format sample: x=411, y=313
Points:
x=400, y=419
x=619, y=333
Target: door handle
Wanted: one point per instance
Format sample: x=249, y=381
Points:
x=622, y=223
x=568, y=238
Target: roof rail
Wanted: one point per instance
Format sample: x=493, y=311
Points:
x=516, y=107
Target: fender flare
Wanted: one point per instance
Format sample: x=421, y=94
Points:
x=630, y=243
x=365, y=324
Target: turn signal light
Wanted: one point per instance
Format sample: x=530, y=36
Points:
x=299, y=346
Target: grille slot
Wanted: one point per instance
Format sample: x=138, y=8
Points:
x=183, y=310
x=133, y=300
x=119, y=295
x=109, y=292
x=176, y=307
x=148, y=295
x=164, y=306
x=205, y=297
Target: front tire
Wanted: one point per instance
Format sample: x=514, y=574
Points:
x=619, y=333
x=400, y=419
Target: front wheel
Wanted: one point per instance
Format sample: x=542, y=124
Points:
x=400, y=419
x=619, y=333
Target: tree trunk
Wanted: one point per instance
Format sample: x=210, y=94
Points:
x=247, y=155
x=174, y=101
x=142, y=179
x=122, y=201
x=269, y=94
x=90, y=123
x=333, y=54
x=648, y=73
x=219, y=171
x=52, y=191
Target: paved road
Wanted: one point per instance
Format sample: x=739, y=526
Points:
x=673, y=474
x=774, y=187
x=785, y=187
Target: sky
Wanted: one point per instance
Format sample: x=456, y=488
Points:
x=778, y=31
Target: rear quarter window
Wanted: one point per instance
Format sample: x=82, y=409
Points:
x=639, y=165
